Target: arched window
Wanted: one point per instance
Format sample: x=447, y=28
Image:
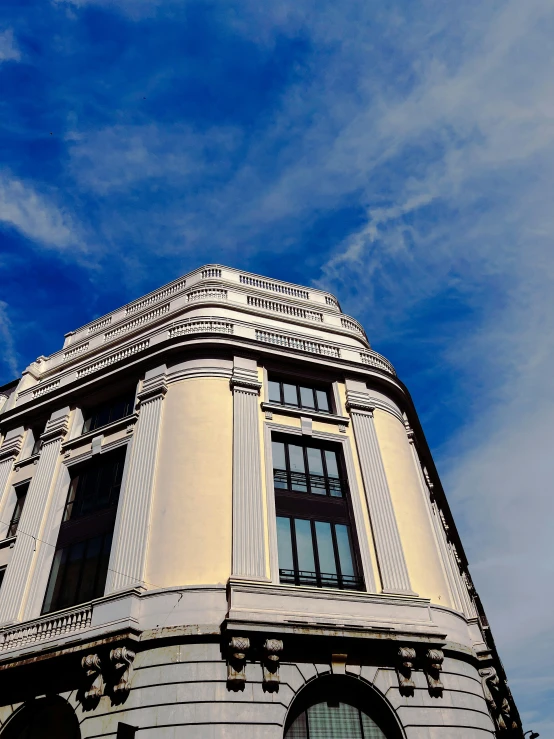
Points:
x=44, y=718
x=338, y=707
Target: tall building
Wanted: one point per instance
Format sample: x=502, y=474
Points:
x=220, y=518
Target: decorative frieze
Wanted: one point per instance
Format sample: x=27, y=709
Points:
x=211, y=273
x=139, y=321
x=43, y=389
x=207, y=293
x=276, y=287
x=351, y=325
x=113, y=358
x=97, y=325
x=404, y=668
x=201, y=326
x=433, y=668
x=376, y=360
x=75, y=350
x=285, y=308
x=290, y=342
x=236, y=662
x=156, y=297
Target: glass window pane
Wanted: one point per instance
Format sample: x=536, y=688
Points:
x=54, y=582
x=274, y=392
x=332, y=464
x=345, y=550
x=297, y=469
x=334, y=722
x=315, y=465
x=68, y=594
x=289, y=392
x=284, y=543
x=279, y=465
x=307, y=397
x=103, y=566
x=322, y=401
x=371, y=730
x=304, y=545
x=325, y=550
x=90, y=569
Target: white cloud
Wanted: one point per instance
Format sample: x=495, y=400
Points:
x=34, y=215
x=9, y=50
x=8, y=355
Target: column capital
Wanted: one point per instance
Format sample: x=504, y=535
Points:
x=154, y=386
x=56, y=428
x=12, y=444
x=359, y=401
x=245, y=376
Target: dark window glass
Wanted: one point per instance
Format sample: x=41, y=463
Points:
x=334, y=719
x=95, y=487
x=81, y=560
x=21, y=493
x=314, y=536
x=307, y=468
x=2, y=573
x=108, y=413
x=299, y=396
x=78, y=573
x=318, y=553
x=37, y=433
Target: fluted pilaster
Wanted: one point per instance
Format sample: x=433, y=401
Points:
x=130, y=541
x=388, y=546
x=248, y=521
x=9, y=451
x=28, y=543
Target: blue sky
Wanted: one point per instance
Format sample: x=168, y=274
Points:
x=399, y=154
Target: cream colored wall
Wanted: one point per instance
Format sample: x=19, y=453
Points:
x=190, y=538
x=417, y=536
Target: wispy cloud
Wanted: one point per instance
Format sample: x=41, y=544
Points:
x=35, y=215
x=9, y=51
x=8, y=355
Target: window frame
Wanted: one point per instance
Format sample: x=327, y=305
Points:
x=21, y=490
x=89, y=412
x=83, y=529
x=314, y=507
x=299, y=381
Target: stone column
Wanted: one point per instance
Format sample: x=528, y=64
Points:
x=28, y=543
x=9, y=451
x=248, y=515
x=390, y=555
x=130, y=540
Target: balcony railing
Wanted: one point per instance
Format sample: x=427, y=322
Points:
x=320, y=579
x=46, y=627
x=318, y=484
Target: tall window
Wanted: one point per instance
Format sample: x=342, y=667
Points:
x=2, y=573
x=299, y=395
x=81, y=560
x=108, y=412
x=21, y=494
x=314, y=534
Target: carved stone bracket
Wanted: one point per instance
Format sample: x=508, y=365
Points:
x=404, y=667
x=94, y=681
x=270, y=663
x=497, y=695
x=121, y=660
x=433, y=667
x=236, y=662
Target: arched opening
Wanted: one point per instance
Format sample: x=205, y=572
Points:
x=43, y=718
x=340, y=707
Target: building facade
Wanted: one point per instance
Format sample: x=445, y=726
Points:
x=220, y=518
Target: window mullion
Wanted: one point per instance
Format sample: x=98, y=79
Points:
x=294, y=552
x=316, y=554
x=337, y=557
x=306, y=469
x=325, y=473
